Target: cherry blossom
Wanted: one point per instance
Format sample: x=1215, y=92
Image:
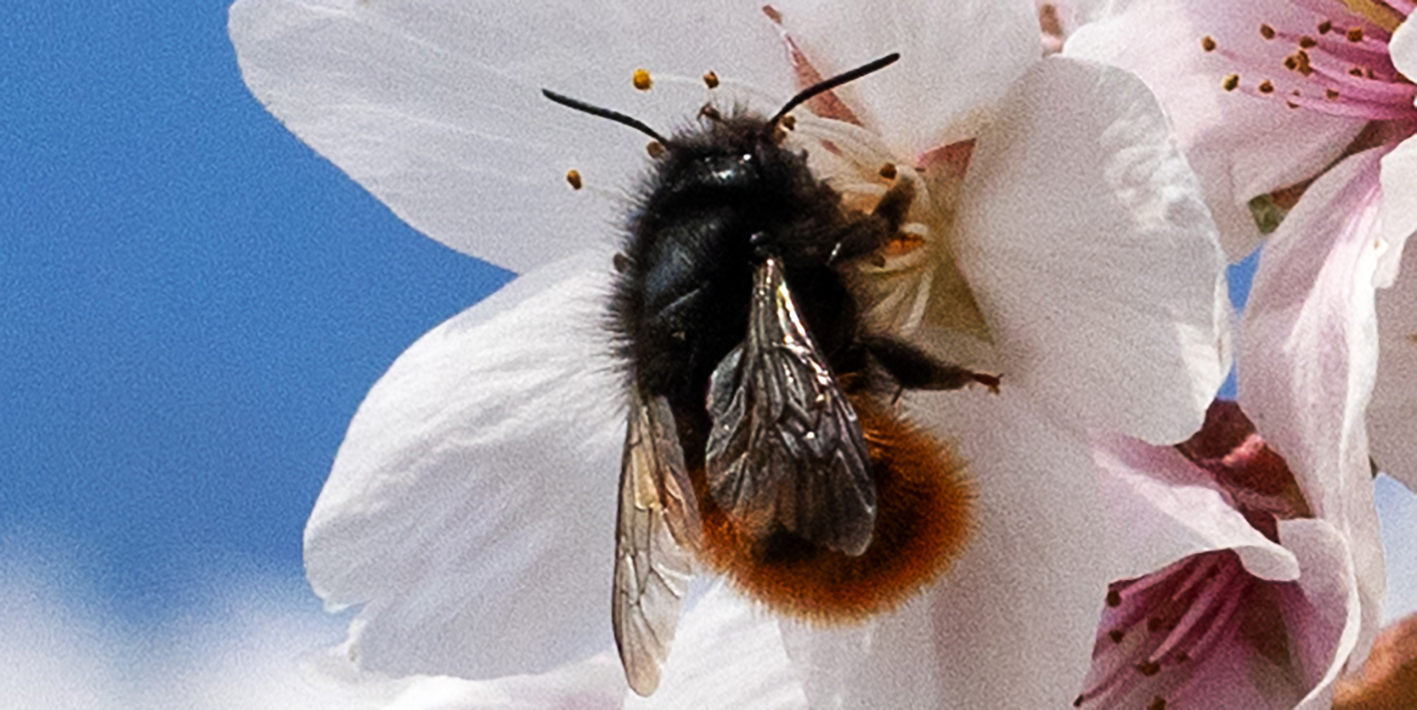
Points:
x=1058, y=237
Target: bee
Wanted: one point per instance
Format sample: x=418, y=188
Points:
x=762, y=438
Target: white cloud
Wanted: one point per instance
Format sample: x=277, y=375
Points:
x=255, y=642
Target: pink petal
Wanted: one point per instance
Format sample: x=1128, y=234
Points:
x=1325, y=616
x=471, y=507
x=1162, y=509
x=1090, y=252
x=1308, y=357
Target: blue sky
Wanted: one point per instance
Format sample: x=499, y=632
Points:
x=192, y=305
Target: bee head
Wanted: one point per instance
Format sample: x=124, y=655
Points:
x=735, y=130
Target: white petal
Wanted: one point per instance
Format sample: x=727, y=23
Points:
x=1392, y=415
x=1399, y=174
x=1092, y=256
x=436, y=108
x=1326, y=626
x=1403, y=49
x=1239, y=145
x=471, y=507
x=1308, y=347
x=957, y=59
x=1164, y=509
x=1308, y=359
x=727, y=654
x=594, y=684
x=1011, y=625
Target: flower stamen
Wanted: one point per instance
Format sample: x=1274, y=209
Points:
x=1344, y=70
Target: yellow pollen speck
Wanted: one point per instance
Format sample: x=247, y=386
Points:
x=1378, y=13
x=1208, y=43
x=642, y=80
x=1266, y=87
x=1266, y=32
x=655, y=149
x=1355, y=34
x=711, y=80
x=1231, y=82
x=888, y=171
x=1308, y=42
x=574, y=177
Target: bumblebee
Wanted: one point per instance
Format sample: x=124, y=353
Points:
x=763, y=441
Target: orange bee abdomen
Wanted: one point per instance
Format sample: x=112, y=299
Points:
x=923, y=522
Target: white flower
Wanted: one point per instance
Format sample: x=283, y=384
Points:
x=470, y=510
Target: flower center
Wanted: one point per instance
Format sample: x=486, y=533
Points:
x=1158, y=630
x=1339, y=66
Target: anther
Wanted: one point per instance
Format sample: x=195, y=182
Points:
x=1267, y=32
x=1231, y=82
x=1114, y=598
x=1331, y=94
x=642, y=80
x=711, y=80
x=1148, y=668
x=1208, y=43
x=574, y=177
x=789, y=122
x=1307, y=42
x=887, y=171
x=1157, y=703
x=711, y=113
x=1266, y=87
x=655, y=149
x=1116, y=635
x=1355, y=35
x=621, y=263
x=1325, y=27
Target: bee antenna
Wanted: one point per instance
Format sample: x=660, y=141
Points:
x=826, y=85
x=615, y=116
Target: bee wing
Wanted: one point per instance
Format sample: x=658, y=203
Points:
x=657, y=526
x=786, y=447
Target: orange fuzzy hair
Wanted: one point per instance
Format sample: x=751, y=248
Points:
x=923, y=522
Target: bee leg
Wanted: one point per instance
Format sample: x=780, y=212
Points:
x=874, y=231
x=912, y=368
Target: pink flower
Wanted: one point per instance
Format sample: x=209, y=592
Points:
x=1290, y=97
x=1252, y=598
